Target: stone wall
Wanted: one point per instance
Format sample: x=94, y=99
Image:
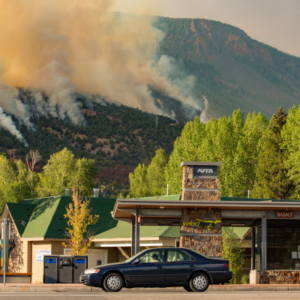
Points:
x=201, y=230
x=280, y=277
x=207, y=189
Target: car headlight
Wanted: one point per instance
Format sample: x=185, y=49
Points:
x=91, y=271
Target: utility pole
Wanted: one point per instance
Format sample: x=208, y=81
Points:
x=167, y=189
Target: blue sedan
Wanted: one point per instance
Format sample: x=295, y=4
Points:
x=160, y=267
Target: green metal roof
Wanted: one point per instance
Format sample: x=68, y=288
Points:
x=123, y=230
x=20, y=212
x=45, y=219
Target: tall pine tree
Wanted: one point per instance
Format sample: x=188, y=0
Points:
x=271, y=174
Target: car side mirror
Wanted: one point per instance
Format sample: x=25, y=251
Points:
x=136, y=261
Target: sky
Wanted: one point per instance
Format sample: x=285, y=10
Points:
x=272, y=22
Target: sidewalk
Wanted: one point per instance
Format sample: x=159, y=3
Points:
x=79, y=288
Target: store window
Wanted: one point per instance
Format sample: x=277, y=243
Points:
x=283, y=245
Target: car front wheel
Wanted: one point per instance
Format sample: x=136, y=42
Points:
x=187, y=288
x=113, y=282
x=199, y=282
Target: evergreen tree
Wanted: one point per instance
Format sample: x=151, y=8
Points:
x=271, y=174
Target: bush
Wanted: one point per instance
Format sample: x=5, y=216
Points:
x=245, y=279
x=234, y=252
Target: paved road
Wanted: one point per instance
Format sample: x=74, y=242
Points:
x=156, y=294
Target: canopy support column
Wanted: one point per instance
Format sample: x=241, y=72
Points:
x=137, y=232
x=133, y=236
x=264, y=243
x=258, y=253
x=253, y=248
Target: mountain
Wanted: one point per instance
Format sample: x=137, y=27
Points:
x=116, y=136
x=232, y=70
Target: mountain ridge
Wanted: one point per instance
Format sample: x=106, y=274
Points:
x=232, y=69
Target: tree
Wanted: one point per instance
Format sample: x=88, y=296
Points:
x=31, y=159
x=78, y=219
x=138, y=182
x=156, y=173
x=57, y=173
x=185, y=149
x=243, y=168
x=234, y=252
x=64, y=171
x=291, y=143
x=271, y=173
x=13, y=186
x=82, y=178
x=216, y=140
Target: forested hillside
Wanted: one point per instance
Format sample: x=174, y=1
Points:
x=117, y=137
x=232, y=70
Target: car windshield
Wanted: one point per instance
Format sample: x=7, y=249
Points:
x=134, y=256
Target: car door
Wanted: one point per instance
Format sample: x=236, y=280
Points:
x=149, y=272
x=178, y=266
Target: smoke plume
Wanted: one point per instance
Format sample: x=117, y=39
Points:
x=7, y=123
x=60, y=47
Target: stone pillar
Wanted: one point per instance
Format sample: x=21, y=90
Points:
x=201, y=229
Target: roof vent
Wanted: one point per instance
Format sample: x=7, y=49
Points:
x=67, y=192
x=96, y=192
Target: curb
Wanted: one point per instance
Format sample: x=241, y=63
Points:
x=54, y=288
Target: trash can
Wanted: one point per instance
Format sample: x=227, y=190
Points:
x=80, y=264
x=50, y=269
x=65, y=269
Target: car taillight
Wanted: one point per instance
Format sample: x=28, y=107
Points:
x=226, y=266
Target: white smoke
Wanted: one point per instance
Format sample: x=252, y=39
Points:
x=7, y=123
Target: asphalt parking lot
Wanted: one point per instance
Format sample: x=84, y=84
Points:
x=157, y=294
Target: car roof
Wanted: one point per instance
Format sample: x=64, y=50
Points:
x=169, y=248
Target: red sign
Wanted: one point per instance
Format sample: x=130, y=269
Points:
x=284, y=214
x=139, y=219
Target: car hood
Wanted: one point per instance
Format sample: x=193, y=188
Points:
x=109, y=265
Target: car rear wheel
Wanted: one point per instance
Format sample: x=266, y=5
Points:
x=113, y=282
x=199, y=282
